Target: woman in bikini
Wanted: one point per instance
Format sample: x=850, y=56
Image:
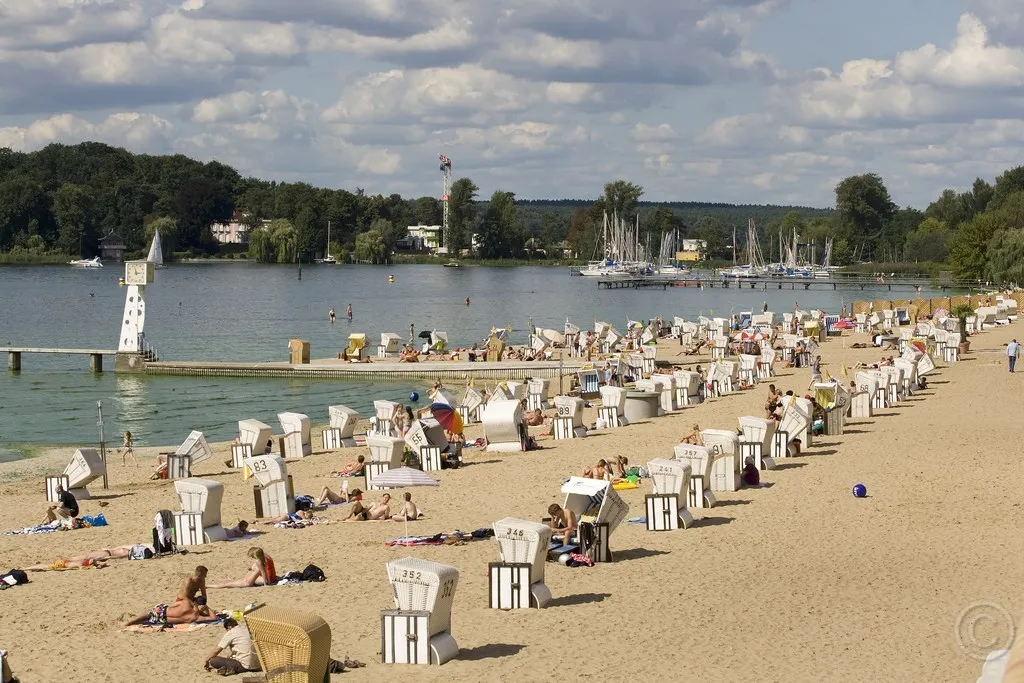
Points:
x=261, y=573
x=694, y=438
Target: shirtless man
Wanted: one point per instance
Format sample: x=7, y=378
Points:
x=409, y=510
x=360, y=513
x=194, y=584
x=329, y=496
x=563, y=522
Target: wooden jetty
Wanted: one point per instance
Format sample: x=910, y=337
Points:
x=790, y=283
x=95, y=355
x=377, y=370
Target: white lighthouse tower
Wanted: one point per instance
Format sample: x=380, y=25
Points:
x=132, y=342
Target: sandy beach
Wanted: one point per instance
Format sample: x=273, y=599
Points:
x=796, y=581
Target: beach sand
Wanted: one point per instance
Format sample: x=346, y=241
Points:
x=797, y=581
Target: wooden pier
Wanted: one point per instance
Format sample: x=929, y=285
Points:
x=95, y=355
x=783, y=283
x=375, y=371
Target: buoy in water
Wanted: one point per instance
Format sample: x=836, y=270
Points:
x=391, y=278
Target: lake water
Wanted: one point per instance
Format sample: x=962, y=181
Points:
x=240, y=311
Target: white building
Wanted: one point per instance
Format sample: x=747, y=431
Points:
x=235, y=231
x=427, y=235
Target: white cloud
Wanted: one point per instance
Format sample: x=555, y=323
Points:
x=142, y=132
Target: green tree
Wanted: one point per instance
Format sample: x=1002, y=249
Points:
x=283, y=240
x=715, y=236
x=621, y=197
x=427, y=211
x=1011, y=209
x=500, y=235
x=584, y=233
x=200, y=202
x=261, y=246
x=370, y=247
x=168, y=228
x=1008, y=183
x=1005, y=258
x=863, y=203
x=929, y=241
x=951, y=208
x=967, y=249
x=73, y=210
x=461, y=214
x=390, y=232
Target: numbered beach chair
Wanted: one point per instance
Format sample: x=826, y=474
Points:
x=341, y=431
x=273, y=494
x=700, y=460
x=517, y=581
x=418, y=630
x=756, y=441
x=503, y=427
x=613, y=407
x=666, y=505
x=568, y=421
x=726, y=465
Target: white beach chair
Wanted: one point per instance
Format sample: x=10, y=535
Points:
x=341, y=432
x=517, y=581
x=469, y=407
x=590, y=383
x=418, y=630
x=503, y=427
x=649, y=386
x=595, y=502
x=666, y=386
x=758, y=434
x=255, y=434
x=726, y=467
x=199, y=519
x=687, y=387
x=537, y=393
x=424, y=433
x=796, y=423
x=384, y=414
x=273, y=494
x=766, y=363
x=86, y=466
x=748, y=368
x=700, y=459
x=385, y=453
x=568, y=421
x=666, y=506
x=390, y=344
x=297, y=442
x=613, y=407
x=195, y=447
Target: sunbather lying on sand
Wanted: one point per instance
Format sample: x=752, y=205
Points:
x=353, y=469
x=239, y=530
x=360, y=513
x=96, y=558
x=297, y=516
x=262, y=572
x=329, y=496
x=178, y=613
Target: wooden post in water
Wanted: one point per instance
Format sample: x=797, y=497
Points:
x=96, y=362
x=14, y=361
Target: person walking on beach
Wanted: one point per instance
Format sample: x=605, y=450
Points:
x=1012, y=353
x=348, y=312
x=126, y=449
x=331, y=315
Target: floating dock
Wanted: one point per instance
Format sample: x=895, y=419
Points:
x=790, y=283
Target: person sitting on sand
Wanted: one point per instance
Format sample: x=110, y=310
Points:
x=352, y=469
x=750, y=476
x=598, y=471
x=262, y=572
x=409, y=511
x=563, y=522
x=169, y=615
x=618, y=468
x=241, y=653
x=66, y=506
x=239, y=530
x=194, y=586
x=328, y=496
x=297, y=516
x=360, y=513
x=694, y=438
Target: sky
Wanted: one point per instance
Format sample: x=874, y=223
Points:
x=740, y=101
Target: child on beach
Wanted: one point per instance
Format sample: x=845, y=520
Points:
x=126, y=449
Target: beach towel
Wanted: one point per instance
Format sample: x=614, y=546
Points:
x=454, y=538
x=180, y=628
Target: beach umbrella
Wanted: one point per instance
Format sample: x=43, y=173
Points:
x=447, y=417
x=425, y=334
x=403, y=478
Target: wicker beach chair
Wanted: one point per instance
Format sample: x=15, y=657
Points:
x=293, y=646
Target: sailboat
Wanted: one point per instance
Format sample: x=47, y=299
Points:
x=156, y=251
x=328, y=259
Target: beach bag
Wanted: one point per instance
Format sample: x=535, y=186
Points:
x=15, y=577
x=313, y=573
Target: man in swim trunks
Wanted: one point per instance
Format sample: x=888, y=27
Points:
x=409, y=510
x=563, y=522
x=194, y=586
x=360, y=513
x=168, y=615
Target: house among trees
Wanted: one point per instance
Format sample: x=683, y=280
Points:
x=112, y=248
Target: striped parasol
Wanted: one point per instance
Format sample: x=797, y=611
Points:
x=403, y=477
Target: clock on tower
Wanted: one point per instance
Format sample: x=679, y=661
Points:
x=138, y=272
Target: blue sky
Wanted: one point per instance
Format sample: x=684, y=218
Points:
x=744, y=101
